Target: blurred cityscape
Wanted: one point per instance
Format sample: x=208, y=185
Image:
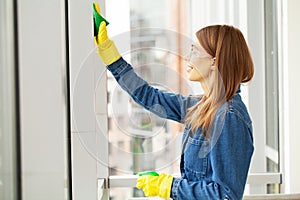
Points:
x=139, y=140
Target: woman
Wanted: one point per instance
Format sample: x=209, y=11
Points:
x=217, y=141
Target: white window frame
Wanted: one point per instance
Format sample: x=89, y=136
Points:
x=42, y=65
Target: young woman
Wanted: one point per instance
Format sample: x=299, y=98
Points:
x=217, y=141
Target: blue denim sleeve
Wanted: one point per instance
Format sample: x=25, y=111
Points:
x=231, y=149
x=166, y=105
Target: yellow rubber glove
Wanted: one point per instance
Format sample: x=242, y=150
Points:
x=155, y=185
x=107, y=50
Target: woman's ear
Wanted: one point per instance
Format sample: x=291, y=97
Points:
x=213, y=61
x=213, y=66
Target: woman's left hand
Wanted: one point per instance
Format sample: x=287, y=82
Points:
x=156, y=185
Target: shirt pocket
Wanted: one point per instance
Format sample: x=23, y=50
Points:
x=195, y=158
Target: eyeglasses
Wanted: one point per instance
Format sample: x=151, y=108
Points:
x=196, y=53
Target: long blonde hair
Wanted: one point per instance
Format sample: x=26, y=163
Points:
x=226, y=44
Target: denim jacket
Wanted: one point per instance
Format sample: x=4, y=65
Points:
x=211, y=168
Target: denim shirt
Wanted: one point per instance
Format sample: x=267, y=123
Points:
x=211, y=168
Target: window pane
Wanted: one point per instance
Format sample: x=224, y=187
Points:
x=271, y=50
x=139, y=140
x=271, y=53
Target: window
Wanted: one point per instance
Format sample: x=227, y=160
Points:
x=140, y=17
x=125, y=139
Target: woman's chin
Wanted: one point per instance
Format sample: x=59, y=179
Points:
x=191, y=78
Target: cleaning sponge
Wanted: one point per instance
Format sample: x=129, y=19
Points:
x=97, y=18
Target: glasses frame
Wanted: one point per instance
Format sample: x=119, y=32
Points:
x=196, y=53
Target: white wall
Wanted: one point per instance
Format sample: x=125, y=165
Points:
x=291, y=110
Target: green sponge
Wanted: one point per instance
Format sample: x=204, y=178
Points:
x=97, y=19
x=150, y=173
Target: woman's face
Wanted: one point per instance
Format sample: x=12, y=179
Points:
x=199, y=64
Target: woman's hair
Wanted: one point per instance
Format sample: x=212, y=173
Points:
x=226, y=44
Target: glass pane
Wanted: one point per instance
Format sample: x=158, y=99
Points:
x=139, y=140
x=8, y=184
x=271, y=53
x=271, y=50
